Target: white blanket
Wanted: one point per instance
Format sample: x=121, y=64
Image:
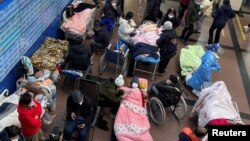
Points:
x=215, y=102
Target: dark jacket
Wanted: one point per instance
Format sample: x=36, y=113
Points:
x=192, y=13
x=175, y=21
x=86, y=110
x=169, y=93
x=79, y=57
x=102, y=36
x=142, y=48
x=165, y=44
x=222, y=14
x=153, y=12
x=110, y=12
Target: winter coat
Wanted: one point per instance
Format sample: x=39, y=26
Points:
x=86, y=110
x=175, y=21
x=102, y=36
x=184, y=2
x=222, y=14
x=30, y=125
x=209, y=64
x=109, y=92
x=153, y=6
x=110, y=12
x=124, y=30
x=169, y=93
x=79, y=57
x=142, y=48
x=165, y=44
x=192, y=13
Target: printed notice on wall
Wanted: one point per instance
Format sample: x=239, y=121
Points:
x=236, y=4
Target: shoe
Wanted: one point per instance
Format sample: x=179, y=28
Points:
x=102, y=121
x=102, y=126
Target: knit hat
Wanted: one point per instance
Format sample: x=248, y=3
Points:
x=77, y=96
x=173, y=78
x=168, y=25
x=119, y=81
x=226, y=2
x=135, y=82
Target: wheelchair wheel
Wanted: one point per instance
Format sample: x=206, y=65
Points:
x=102, y=65
x=180, y=109
x=156, y=110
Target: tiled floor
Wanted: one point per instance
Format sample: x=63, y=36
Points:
x=235, y=64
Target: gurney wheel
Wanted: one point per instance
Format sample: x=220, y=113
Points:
x=156, y=110
x=180, y=109
x=103, y=64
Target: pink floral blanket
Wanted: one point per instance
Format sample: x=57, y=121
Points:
x=131, y=122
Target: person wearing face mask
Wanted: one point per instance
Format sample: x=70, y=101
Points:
x=170, y=16
x=30, y=111
x=80, y=112
x=191, y=17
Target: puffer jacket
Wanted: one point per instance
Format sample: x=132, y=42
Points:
x=79, y=57
x=124, y=30
x=164, y=42
x=169, y=93
x=222, y=14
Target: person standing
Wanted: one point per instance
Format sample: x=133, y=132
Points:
x=182, y=8
x=221, y=16
x=153, y=12
x=206, y=11
x=191, y=17
x=167, y=44
x=80, y=113
x=170, y=16
x=30, y=111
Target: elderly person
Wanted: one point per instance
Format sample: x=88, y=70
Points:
x=80, y=112
x=167, y=44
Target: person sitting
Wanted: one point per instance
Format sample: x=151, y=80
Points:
x=170, y=90
x=126, y=27
x=170, y=16
x=79, y=57
x=101, y=38
x=196, y=135
x=80, y=112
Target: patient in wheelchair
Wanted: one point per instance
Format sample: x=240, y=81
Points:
x=169, y=90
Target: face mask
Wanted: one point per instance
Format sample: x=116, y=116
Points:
x=171, y=16
x=198, y=2
x=81, y=102
x=15, y=139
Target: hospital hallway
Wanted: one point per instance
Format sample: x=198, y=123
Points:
x=235, y=72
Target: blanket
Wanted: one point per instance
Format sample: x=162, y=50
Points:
x=131, y=122
x=147, y=33
x=12, y=116
x=190, y=59
x=215, y=102
x=78, y=23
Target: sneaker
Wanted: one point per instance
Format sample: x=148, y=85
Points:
x=197, y=32
x=185, y=42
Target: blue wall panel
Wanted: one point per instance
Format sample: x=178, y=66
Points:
x=38, y=19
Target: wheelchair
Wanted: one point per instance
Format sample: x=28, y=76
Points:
x=156, y=108
x=118, y=57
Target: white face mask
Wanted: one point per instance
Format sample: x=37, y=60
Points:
x=15, y=139
x=198, y=2
x=171, y=16
x=81, y=102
